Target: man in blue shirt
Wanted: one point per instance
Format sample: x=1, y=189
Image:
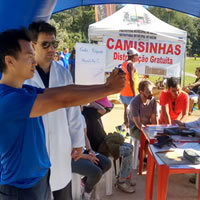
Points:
x=65, y=54
x=24, y=162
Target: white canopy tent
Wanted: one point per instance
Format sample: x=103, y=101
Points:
x=133, y=17
x=134, y=26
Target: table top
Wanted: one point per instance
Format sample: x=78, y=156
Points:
x=180, y=148
x=151, y=132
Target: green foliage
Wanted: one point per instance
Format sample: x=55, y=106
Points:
x=153, y=79
x=192, y=26
x=72, y=25
x=192, y=64
x=195, y=56
x=119, y=6
x=189, y=80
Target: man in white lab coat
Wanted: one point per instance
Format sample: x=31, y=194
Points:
x=63, y=128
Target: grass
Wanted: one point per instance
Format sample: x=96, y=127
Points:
x=189, y=80
x=190, y=67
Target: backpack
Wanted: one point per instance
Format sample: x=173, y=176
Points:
x=111, y=145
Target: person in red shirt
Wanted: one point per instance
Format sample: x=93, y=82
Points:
x=174, y=103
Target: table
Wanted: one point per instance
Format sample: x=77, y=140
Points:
x=148, y=134
x=165, y=170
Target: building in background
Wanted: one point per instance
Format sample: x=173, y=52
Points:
x=103, y=11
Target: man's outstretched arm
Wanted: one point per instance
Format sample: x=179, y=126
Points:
x=73, y=95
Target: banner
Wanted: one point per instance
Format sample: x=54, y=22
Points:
x=157, y=57
x=90, y=64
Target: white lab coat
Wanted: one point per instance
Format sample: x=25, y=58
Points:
x=63, y=129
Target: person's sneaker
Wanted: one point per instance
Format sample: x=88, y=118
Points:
x=131, y=182
x=125, y=187
x=119, y=128
x=87, y=196
x=122, y=130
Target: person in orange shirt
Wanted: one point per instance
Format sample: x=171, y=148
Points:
x=131, y=85
x=174, y=103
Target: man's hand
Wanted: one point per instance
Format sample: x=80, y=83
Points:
x=178, y=122
x=186, y=89
x=76, y=153
x=116, y=80
x=91, y=152
x=93, y=158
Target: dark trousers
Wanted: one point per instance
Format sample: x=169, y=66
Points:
x=40, y=191
x=64, y=194
x=91, y=171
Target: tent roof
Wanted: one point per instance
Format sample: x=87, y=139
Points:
x=14, y=14
x=132, y=17
x=191, y=7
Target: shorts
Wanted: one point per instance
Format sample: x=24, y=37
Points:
x=125, y=99
x=194, y=97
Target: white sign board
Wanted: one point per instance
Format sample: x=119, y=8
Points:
x=90, y=64
x=163, y=58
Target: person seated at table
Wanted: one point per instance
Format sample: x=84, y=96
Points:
x=111, y=144
x=193, y=90
x=174, y=103
x=142, y=109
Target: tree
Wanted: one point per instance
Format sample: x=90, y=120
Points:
x=72, y=25
x=119, y=6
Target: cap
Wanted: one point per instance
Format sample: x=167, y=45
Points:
x=133, y=52
x=105, y=102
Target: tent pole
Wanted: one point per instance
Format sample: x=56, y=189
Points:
x=184, y=68
x=136, y=15
x=185, y=54
x=89, y=40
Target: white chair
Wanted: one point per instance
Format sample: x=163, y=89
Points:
x=136, y=145
x=108, y=183
x=109, y=176
x=76, y=186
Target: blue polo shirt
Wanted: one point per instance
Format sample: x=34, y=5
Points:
x=65, y=59
x=23, y=155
